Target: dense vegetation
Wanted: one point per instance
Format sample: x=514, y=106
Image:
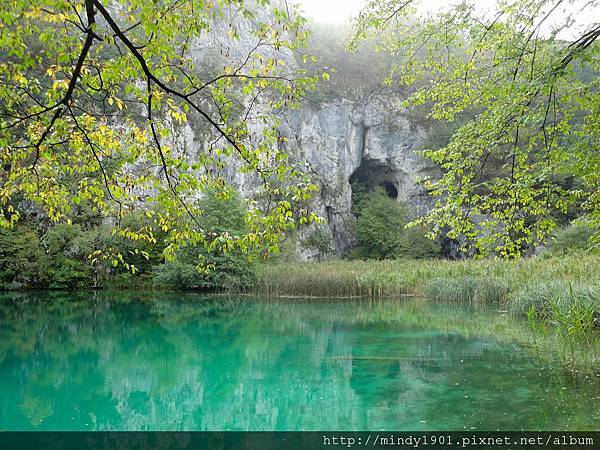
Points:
x=94, y=101
x=561, y=293
x=516, y=78
x=84, y=256
x=380, y=228
x=225, y=268
x=390, y=278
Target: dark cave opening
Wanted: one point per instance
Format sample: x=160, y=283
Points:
x=372, y=174
x=389, y=189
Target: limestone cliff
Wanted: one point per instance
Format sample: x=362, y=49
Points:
x=359, y=133
x=369, y=139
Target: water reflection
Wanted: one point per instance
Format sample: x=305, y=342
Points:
x=132, y=361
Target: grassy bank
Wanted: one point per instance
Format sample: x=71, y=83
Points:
x=549, y=284
x=477, y=280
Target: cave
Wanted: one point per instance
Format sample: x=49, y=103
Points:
x=389, y=189
x=373, y=174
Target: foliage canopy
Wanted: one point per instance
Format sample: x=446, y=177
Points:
x=93, y=91
x=526, y=72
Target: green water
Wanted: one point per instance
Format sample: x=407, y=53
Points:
x=185, y=362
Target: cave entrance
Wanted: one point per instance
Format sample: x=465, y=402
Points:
x=389, y=189
x=371, y=175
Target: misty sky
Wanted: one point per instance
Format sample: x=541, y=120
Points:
x=341, y=11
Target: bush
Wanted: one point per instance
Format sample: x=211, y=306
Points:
x=177, y=275
x=287, y=248
x=67, y=248
x=572, y=238
x=69, y=240
x=379, y=227
x=68, y=273
x=22, y=259
x=223, y=212
x=418, y=245
x=381, y=232
x=141, y=253
x=230, y=271
x=319, y=240
x=58, y=258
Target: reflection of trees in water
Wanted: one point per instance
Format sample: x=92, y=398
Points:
x=196, y=363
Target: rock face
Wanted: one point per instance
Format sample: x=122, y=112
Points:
x=368, y=139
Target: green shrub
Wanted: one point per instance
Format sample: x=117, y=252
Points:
x=319, y=239
x=418, y=245
x=22, y=259
x=68, y=273
x=381, y=232
x=177, y=275
x=58, y=258
x=130, y=281
x=67, y=248
x=142, y=253
x=211, y=268
x=287, y=249
x=69, y=240
x=572, y=238
x=379, y=227
x=230, y=271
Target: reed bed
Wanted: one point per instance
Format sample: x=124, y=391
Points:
x=473, y=281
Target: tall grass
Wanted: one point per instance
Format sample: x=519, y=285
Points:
x=555, y=294
x=469, y=289
x=574, y=309
x=485, y=281
x=556, y=284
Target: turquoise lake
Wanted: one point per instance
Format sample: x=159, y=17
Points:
x=148, y=361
